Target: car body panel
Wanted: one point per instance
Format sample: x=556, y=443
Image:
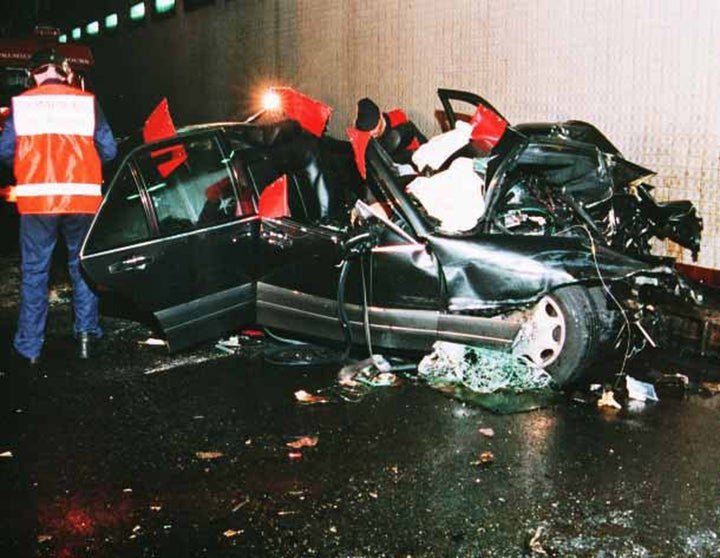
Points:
x=196, y=283
x=390, y=273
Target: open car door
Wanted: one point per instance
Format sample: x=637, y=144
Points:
x=460, y=105
x=175, y=240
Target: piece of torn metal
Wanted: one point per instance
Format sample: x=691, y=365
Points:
x=640, y=391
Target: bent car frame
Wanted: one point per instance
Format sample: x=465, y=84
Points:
x=557, y=270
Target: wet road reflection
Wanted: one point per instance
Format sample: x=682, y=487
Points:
x=193, y=460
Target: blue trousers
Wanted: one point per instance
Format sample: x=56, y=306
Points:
x=38, y=235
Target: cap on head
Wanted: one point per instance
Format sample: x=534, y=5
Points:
x=48, y=57
x=368, y=115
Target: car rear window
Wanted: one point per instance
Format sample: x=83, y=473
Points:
x=122, y=219
x=190, y=185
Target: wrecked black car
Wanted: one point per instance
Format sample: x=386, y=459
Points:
x=556, y=177
x=230, y=224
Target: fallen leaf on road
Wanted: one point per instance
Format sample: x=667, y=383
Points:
x=485, y=458
x=208, y=454
x=487, y=432
x=608, y=400
x=305, y=397
x=534, y=545
x=304, y=442
x=231, y=533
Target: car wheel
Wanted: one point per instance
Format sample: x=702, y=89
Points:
x=561, y=334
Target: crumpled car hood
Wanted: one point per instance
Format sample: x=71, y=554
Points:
x=488, y=272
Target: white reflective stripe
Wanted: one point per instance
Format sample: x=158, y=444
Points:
x=66, y=189
x=54, y=114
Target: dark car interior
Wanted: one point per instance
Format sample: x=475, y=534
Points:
x=322, y=179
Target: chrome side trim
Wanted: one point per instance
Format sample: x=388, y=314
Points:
x=399, y=328
x=152, y=241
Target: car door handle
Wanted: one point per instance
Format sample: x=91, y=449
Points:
x=131, y=263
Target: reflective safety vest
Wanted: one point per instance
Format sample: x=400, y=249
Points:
x=57, y=166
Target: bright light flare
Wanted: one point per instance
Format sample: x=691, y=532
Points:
x=271, y=100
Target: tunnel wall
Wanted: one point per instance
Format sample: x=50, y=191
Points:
x=643, y=71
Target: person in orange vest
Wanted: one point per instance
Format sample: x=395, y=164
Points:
x=56, y=140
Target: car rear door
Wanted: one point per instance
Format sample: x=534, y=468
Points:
x=175, y=240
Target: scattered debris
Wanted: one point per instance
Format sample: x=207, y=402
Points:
x=224, y=349
x=287, y=512
x=533, y=543
x=671, y=385
x=485, y=459
x=640, y=391
x=608, y=400
x=59, y=296
x=373, y=371
x=304, y=442
x=713, y=388
x=153, y=342
x=232, y=533
x=487, y=432
x=208, y=454
x=308, y=398
x=256, y=333
x=180, y=360
x=231, y=342
x=240, y=505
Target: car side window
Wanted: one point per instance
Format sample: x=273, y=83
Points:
x=190, y=185
x=122, y=220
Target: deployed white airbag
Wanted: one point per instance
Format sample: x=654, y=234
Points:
x=454, y=196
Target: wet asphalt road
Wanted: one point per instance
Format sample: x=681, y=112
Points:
x=138, y=453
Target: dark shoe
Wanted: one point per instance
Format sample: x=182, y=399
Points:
x=20, y=361
x=84, y=344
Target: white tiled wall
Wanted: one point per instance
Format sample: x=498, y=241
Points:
x=644, y=71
